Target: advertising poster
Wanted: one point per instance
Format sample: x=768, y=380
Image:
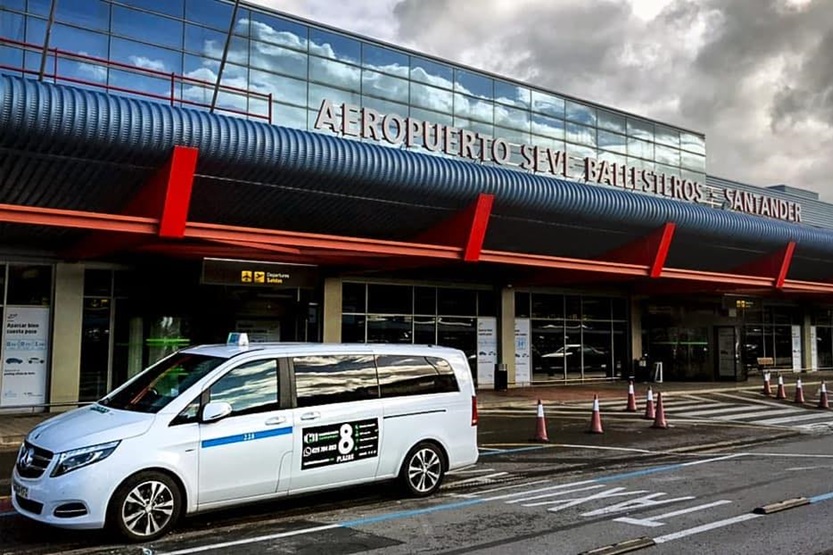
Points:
x=796, y=335
x=25, y=345
x=814, y=349
x=486, y=350
x=523, y=352
x=339, y=443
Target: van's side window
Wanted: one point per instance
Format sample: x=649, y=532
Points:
x=250, y=388
x=325, y=379
x=414, y=375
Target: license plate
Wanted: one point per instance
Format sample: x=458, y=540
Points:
x=20, y=491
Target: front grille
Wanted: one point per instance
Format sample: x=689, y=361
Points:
x=33, y=461
x=69, y=510
x=30, y=506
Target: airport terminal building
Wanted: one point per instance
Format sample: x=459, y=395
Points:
x=171, y=171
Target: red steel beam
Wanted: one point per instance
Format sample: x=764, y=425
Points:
x=466, y=228
x=75, y=219
x=651, y=250
x=775, y=266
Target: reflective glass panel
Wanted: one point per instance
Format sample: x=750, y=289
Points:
x=456, y=302
x=470, y=83
x=476, y=126
x=352, y=328
x=145, y=56
x=202, y=40
x=693, y=143
x=432, y=117
x=641, y=164
x=322, y=380
x=667, y=136
x=547, y=104
x=614, y=158
x=39, y=7
x=383, y=59
x=547, y=343
x=335, y=73
x=473, y=108
x=35, y=32
x=385, y=107
x=29, y=285
x=318, y=93
x=202, y=71
x=513, y=95
x=12, y=57
x=667, y=155
x=211, y=13
x=250, y=388
x=612, y=122
x=147, y=27
x=389, y=329
x=170, y=7
x=280, y=60
x=353, y=297
x=579, y=152
x=641, y=129
x=642, y=149
x=12, y=26
x=511, y=117
x=523, y=303
x=276, y=30
x=547, y=142
x=551, y=127
x=90, y=15
x=403, y=376
x=425, y=330
x=384, y=86
x=613, y=142
x=693, y=161
x=76, y=40
x=431, y=98
x=547, y=306
x=425, y=300
x=595, y=308
x=333, y=46
x=432, y=73
x=693, y=176
x=15, y=5
x=283, y=89
x=581, y=134
x=389, y=299
x=668, y=170
x=580, y=113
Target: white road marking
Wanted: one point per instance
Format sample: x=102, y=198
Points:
x=223, y=545
x=646, y=501
x=604, y=448
x=480, y=478
x=614, y=492
x=654, y=521
x=751, y=399
x=502, y=488
x=713, y=412
x=706, y=527
x=550, y=494
x=471, y=470
x=758, y=414
x=787, y=419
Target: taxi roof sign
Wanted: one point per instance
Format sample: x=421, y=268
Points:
x=236, y=338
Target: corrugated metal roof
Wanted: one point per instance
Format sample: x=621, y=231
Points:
x=262, y=175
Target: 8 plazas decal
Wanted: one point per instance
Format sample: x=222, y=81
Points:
x=340, y=443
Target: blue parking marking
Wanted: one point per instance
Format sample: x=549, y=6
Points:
x=240, y=438
x=822, y=497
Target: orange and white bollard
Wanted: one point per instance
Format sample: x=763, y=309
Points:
x=596, y=420
x=659, y=419
x=781, y=393
x=767, y=389
x=541, y=426
x=631, y=398
x=799, y=392
x=823, y=404
x=650, y=413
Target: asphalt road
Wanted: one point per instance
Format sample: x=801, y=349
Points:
x=581, y=492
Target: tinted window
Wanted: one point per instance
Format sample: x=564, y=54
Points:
x=29, y=285
x=322, y=380
x=249, y=388
x=404, y=375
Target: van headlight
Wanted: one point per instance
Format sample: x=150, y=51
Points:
x=79, y=458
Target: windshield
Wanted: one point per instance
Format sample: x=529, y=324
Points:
x=162, y=383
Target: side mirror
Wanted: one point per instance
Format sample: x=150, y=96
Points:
x=215, y=411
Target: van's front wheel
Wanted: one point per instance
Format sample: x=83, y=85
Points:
x=145, y=506
x=423, y=470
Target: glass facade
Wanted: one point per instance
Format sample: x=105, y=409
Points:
x=299, y=65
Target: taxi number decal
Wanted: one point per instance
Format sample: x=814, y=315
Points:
x=339, y=443
x=249, y=436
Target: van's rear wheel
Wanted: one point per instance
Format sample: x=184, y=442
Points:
x=145, y=507
x=423, y=470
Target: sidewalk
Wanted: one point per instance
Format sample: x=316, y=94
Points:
x=14, y=427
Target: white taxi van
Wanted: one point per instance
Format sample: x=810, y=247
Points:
x=220, y=425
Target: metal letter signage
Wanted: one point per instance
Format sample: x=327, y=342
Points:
x=355, y=121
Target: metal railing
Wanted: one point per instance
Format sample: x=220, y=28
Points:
x=174, y=95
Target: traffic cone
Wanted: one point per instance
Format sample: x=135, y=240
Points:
x=541, y=426
x=596, y=421
x=781, y=393
x=799, y=392
x=659, y=418
x=823, y=397
x=631, y=398
x=650, y=414
x=767, y=389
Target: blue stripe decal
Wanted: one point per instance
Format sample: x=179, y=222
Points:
x=10, y=513
x=240, y=438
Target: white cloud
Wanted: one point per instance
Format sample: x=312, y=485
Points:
x=146, y=63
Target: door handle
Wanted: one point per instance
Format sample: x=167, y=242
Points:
x=311, y=416
x=275, y=421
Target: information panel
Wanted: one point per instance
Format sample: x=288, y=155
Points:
x=340, y=443
x=25, y=346
x=486, y=350
x=522, y=352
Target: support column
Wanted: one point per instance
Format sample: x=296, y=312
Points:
x=68, y=312
x=332, y=310
x=506, y=332
x=807, y=339
x=636, y=331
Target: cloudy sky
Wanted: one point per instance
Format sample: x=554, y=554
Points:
x=755, y=75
